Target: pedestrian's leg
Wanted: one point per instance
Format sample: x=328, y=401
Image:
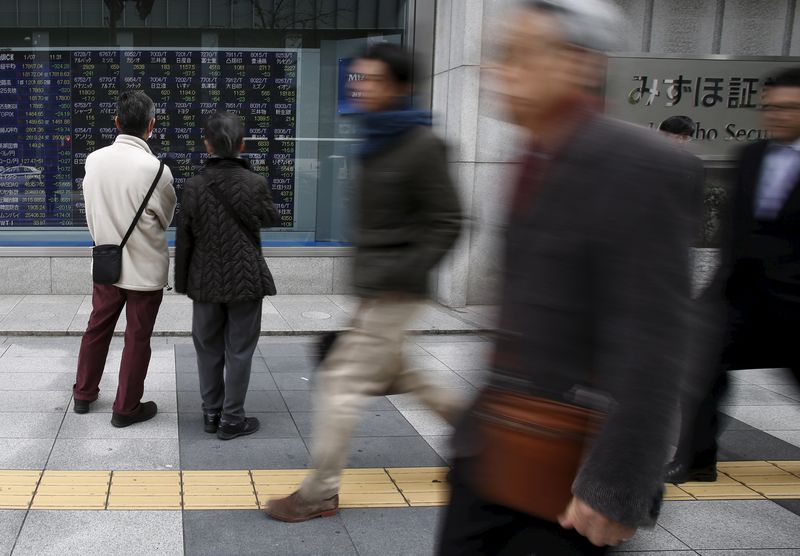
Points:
x=360, y=365
x=141, y=313
x=208, y=333
x=445, y=401
x=241, y=339
x=107, y=304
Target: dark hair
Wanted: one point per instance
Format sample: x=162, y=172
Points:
x=789, y=77
x=397, y=59
x=224, y=132
x=677, y=125
x=135, y=110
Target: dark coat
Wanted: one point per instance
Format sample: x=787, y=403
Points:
x=763, y=257
x=596, y=300
x=409, y=215
x=216, y=261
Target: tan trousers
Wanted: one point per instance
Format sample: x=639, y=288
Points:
x=365, y=361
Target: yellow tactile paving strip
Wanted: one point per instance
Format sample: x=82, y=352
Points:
x=361, y=488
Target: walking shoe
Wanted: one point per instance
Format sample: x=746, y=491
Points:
x=210, y=422
x=145, y=412
x=295, y=508
x=229, y=432
x=81, y=406
x=678, y=473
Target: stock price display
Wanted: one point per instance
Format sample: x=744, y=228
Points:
x=58, y=106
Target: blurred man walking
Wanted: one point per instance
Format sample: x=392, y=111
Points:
x=564, y=451
x=408, y=218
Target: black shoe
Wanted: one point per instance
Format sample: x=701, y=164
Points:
x=677, y=473
x=145, y=412
x=210, y=422
x=248, y=426
x=81, y=406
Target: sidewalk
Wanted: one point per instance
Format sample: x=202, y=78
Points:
x=283, y=315
x=81, y=486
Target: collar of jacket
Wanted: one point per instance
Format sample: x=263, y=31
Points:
x=132, y=141
x=227, y=162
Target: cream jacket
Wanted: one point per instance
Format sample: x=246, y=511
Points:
x=116, y=182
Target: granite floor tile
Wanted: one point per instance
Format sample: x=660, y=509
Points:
x=792, y=437
x=769, y=552
x=53, y=382
x=446, y=379
x=101, y=533
x=8, y=302
x=427, y=422
x=34, y=402
x=767, y=417
x=155, y=382
x=729, y=423
x=395, y=451
x=303, y=401
x=442, y=445
x=791, y=505
x=257, y=401
x=290, y=364
x=754, y=445
x=789, y=390
x=765, y=376
x=24, y=453
x=41, y=350
x=478, y=379
x=114, y=453
x=10, y=525
x=158, y=365
x=412, y=401
x=244, y=453
x=273, y=425
x=188, y=365
x=657, y=539
x=284, y=349
x=372, y=423
x=381, y=531
x=425, y=363
x=735, y=524
x=166, y=401
x=64, y=364
x=292, y=381
x=98, y=425
x=190, y=382
x=214, y=533
x=45, y=313
x=30, y=425
x=751, y=394
x=467, y=356
x=425, y=339
x=310, y=315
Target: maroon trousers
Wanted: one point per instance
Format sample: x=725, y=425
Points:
x=141, y=313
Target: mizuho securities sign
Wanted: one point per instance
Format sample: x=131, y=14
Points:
x=722, y=95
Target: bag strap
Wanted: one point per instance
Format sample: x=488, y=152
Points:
x=143, y=205
x=222, y=199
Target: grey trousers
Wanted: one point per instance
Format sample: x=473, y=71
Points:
x=225, y=336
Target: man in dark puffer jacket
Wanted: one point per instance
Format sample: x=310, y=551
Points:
x=219, y=264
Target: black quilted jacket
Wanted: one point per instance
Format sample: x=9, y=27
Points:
x=216, y=260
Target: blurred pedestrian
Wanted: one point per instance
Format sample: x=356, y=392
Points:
x=760, y=272
x=408, y=218
x=122, y=181
x=220, y=266
x=678, y=128
x=563, y=452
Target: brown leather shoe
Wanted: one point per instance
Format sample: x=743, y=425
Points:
x=294, y=508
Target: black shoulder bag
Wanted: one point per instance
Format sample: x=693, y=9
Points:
x=107, y=259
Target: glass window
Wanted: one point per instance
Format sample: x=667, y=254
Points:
x=278, y=63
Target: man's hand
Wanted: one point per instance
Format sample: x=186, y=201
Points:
x=593, y=525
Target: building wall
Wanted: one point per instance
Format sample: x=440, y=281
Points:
x=483, y=146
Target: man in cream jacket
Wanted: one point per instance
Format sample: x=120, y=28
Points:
x=117, y=180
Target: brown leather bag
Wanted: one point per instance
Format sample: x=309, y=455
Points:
x=531, y=449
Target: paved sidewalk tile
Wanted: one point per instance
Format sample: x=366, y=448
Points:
x=732, y=524
x=273, y=425
x=244, y=453
x=10, y=525
x=376, y=532
x=98, y=425
x=101, y=533
x=251, y=533
x=114, y=453
x=34, y=402
x=30, y=425
x=372, y=423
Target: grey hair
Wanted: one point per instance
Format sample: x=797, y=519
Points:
x=224, y=131
x=135, y=111
x=591, y=24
